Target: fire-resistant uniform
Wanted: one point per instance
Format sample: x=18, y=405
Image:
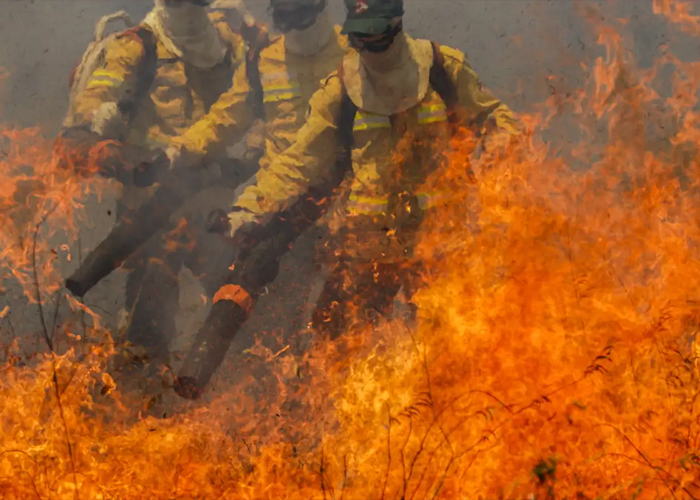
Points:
x=391, y=158
x=397, y=118
x=288, y=81
x=180, y=93
x=291, y=69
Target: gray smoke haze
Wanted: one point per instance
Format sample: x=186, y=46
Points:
x=523, y=50
x=513, y=44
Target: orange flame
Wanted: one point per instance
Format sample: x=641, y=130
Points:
x=551, y=357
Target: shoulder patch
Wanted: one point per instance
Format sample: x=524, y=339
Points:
x=453, y=54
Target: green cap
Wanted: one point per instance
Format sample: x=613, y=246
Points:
x=372, y=17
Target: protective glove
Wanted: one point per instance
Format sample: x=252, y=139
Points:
x=181, y=158
x=235, y=224
x=148, y=166
x=237, y=230
x=109, y=122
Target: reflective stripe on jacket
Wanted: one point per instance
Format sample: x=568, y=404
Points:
x=391, y=155
x=288, y=82
x=179, y=95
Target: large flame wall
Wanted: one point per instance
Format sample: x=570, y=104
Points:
x=551, y=358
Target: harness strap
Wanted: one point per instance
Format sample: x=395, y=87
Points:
x=345, y=125
x=255, y=97
x=443, y=84
x=149, y=68
x=439, y=80
x=146, y=72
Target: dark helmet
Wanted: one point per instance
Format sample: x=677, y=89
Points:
x=371, y=17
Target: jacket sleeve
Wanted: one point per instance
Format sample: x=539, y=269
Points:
x=115, y=80
x=478, y=102
x=305, y=163
x=226, y=123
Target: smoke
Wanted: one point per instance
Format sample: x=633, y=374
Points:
x=525, y=51
x=513, y=45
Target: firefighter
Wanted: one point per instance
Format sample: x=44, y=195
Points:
x=152, y=83
x=277, y=85
x=391, y=94
x=289, y=71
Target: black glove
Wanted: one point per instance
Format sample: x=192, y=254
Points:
x=217, y=222
x=149, y=166
x=244, y=236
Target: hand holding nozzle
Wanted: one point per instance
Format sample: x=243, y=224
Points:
x=240, y=228
x=217, y=222
x=150, y=168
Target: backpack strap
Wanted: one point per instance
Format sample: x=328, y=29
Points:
x=146, y=72
x=255, y=97
x=344, y=133
x=446, y=88
x=443, y=84
x=439, y=80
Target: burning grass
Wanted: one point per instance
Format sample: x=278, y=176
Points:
x=551, y=357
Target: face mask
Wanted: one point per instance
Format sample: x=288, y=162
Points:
x=392, y=81
x=186, y=30
x=312, y=40
x=372, y=43
x=299, y=18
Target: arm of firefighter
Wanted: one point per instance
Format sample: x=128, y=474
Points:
x=306, y=162
x=113, y=81
x=474, y=98
x=227, y=122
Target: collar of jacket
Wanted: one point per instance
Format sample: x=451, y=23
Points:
x=204, y=50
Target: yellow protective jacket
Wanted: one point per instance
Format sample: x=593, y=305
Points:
x=288, y=82
x=179, y=94
x=391, y=155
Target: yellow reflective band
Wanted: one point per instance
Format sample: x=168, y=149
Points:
x=432, y=113
x=271, y=77
x=104, y=78
x=280, y=93
x=368, y=121
x=99, y=82
x=368, y=205
x=108, y=74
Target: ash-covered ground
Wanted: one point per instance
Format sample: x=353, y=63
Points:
x=525, y=51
